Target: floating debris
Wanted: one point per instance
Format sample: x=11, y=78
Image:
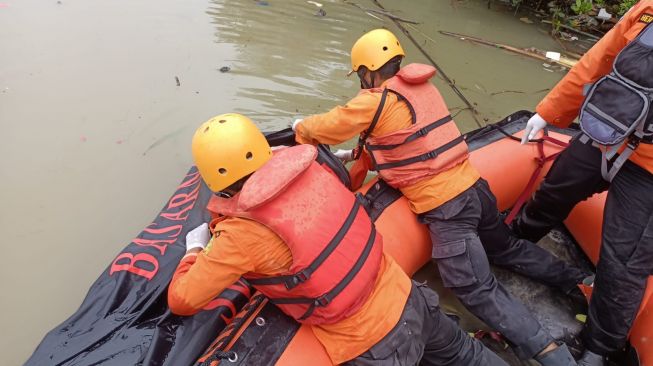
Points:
x=555, y=56
x=530, y=52
x=225, y=69
x=320, y=13
x=315, y=3
x=262, y=3
x=177, y=81
x=604, y=15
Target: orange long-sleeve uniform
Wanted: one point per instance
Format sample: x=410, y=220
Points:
x=345, y=122
x=241, y=246
x=561, y=106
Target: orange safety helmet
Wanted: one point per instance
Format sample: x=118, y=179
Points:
x=227, y=148
x=374, y=49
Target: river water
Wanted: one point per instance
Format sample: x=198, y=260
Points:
x=96, y=130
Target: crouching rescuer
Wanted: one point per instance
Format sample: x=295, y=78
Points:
x=408, y=135
x=300, y=237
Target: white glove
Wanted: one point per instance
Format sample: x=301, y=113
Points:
x=344, y=155
x=198, y=237
x=533, y=127
x=295, y=123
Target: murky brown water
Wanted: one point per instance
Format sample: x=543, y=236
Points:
x=96, y=133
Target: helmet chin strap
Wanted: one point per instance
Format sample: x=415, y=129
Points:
x=223, y=194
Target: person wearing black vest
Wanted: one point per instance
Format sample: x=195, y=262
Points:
x=612, y=90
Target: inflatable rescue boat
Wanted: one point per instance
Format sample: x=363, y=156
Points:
x=263, y=335
x=124, y=319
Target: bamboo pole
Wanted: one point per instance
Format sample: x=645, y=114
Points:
x=533, y=53
x=440, y=70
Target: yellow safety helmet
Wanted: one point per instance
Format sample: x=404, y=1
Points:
x=374, y=49
x=227, y=148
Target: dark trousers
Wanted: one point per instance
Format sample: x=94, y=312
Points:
x=574, y=176
x=626, y=258
x=463, y=230
x=426, y=336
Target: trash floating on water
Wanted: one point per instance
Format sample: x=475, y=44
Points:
x=555, y=56
x=225, y=69
x=604, y=15
x=320, y=13
x=177, y=81
x=315, y=3
x=530, y=52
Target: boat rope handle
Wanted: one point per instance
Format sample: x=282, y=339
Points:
x=541, y=160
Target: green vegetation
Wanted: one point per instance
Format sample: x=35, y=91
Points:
x=625, y=5
x=582, y=6
x=579, y=7
x=578, y=14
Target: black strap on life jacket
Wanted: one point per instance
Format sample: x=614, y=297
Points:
x=325, y=157
x=379, y=197
x=292, y=280
x=326, y=299
x=414, y=136
x=419, y=158
x=363, y=137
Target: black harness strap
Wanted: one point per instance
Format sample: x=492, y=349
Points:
x=413, y=115
x=423, y=157
x=379, y=197
x=293, y=280
x=363, y=138
x=414, y=136
x=325, y=299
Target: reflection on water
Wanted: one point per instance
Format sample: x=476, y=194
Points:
x=96, y=132
x=288, y=59
x=291, y=61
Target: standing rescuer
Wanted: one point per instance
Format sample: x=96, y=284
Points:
x=302, y=239
x=409, y=137
x=614, y=153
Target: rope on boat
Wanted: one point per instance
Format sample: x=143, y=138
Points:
x=219, y=355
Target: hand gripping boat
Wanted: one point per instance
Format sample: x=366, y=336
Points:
x=124, y=319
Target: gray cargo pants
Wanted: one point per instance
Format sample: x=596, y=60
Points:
x=425, y=336
x=462, y=231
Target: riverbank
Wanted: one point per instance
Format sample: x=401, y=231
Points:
x=585, y=17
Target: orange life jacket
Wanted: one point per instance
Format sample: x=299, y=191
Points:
x=431, y=145
x=335, y=249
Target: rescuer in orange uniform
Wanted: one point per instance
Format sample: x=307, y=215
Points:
x=620, y=67
x=409, y=137
x=301, y=237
